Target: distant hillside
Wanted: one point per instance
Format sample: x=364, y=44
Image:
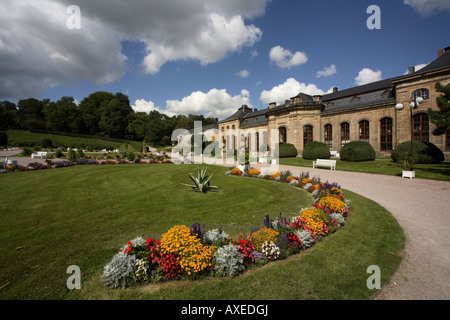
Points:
x=33, y=139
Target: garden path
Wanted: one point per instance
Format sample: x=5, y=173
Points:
x=420, y=207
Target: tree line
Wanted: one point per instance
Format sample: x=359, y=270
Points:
x=101, y=114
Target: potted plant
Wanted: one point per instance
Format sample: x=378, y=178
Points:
x=407, y=162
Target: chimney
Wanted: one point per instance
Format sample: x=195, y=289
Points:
x=440, y=52
x=411, y=70
x=272, y=105
x=335, y=89
x=254, y=110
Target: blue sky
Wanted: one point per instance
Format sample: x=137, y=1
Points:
x=209, y=56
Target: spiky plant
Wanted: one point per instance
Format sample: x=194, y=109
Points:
x=201, y=183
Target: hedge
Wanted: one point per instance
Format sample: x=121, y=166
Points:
x=356, y=151
x=316, y=150
x=426, y=152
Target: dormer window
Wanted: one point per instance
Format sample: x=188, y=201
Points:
x=356, y=99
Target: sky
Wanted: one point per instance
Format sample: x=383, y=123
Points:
x=210, y=57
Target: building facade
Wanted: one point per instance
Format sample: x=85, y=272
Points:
x=364, y=113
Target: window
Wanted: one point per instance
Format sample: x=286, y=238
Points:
x=364, y=131
x=328, y=133
x=345, y=133
x=424, y=93
x=283, y=134
x=421, y=127
x=257, y=141
x=386, y=134
x=447, y=142
x=307, y=135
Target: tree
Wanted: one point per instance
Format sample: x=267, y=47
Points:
x=8, y=111
x=61, y=115
x=441, y=118
x=30, y=114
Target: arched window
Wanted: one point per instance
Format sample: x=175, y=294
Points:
x=386, y=134
x=421, y=127
x=283, y=134
x=328, y=134
x=424, y=93
x=307, y=135
x=364, y=133
x=345, y=133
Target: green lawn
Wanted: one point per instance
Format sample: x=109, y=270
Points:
x=82, y=215
x=381, y=166
x=30, y=139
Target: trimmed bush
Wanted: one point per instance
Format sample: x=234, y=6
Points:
x=425, y=152
x=316, y=150
x=46, y=143
x=356, y=151
x=287, y=150
x=3, y=139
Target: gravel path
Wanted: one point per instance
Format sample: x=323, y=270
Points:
x=419, y=205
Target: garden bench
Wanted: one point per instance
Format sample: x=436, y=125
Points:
x=334, y=154
x=40, y=154
x=325, y=163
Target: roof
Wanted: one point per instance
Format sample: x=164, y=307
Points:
x=440, y=63
x=255, y=118
x=242, y=111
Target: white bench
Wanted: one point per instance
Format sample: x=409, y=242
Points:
x=334, y=154
x=325, y=163
x=40, y=154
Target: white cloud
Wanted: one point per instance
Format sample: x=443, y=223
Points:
x=37, y=50
x=284, y=58
x=327, y=71
x=429, y=7
x=254, y=54
x=243, y=73
x=290, y=88
x=417, y=67
x=142, y=105
x=215, y=103
x=367, y=75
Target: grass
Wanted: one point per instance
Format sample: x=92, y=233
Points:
x=30, y=139
x=380, y=166
x=83, y=215
x=334, y=269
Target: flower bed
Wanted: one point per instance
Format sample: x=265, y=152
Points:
x=193, y=253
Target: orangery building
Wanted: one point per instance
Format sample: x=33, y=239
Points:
x=364, y=113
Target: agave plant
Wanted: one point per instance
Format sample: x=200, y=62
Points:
x=201, y=183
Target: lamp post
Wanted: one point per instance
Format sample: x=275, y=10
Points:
x=413, y=105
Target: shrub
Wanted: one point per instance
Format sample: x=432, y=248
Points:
x=26, y=152
x=3, y=139
x=425, y=152
x=58, y=153
x=287, y=150
x=262, y=235
x=119, y=272
x=46, y=143
x=356, y=151
x=316, y=150
x=236, y=171
x=229, y=261
x=216, y=237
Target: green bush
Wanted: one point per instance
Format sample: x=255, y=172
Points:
x=316, y=150
x=3, y=139
x=425, y=152
x=356, y=151
x=287, y=150
x=46, y=143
